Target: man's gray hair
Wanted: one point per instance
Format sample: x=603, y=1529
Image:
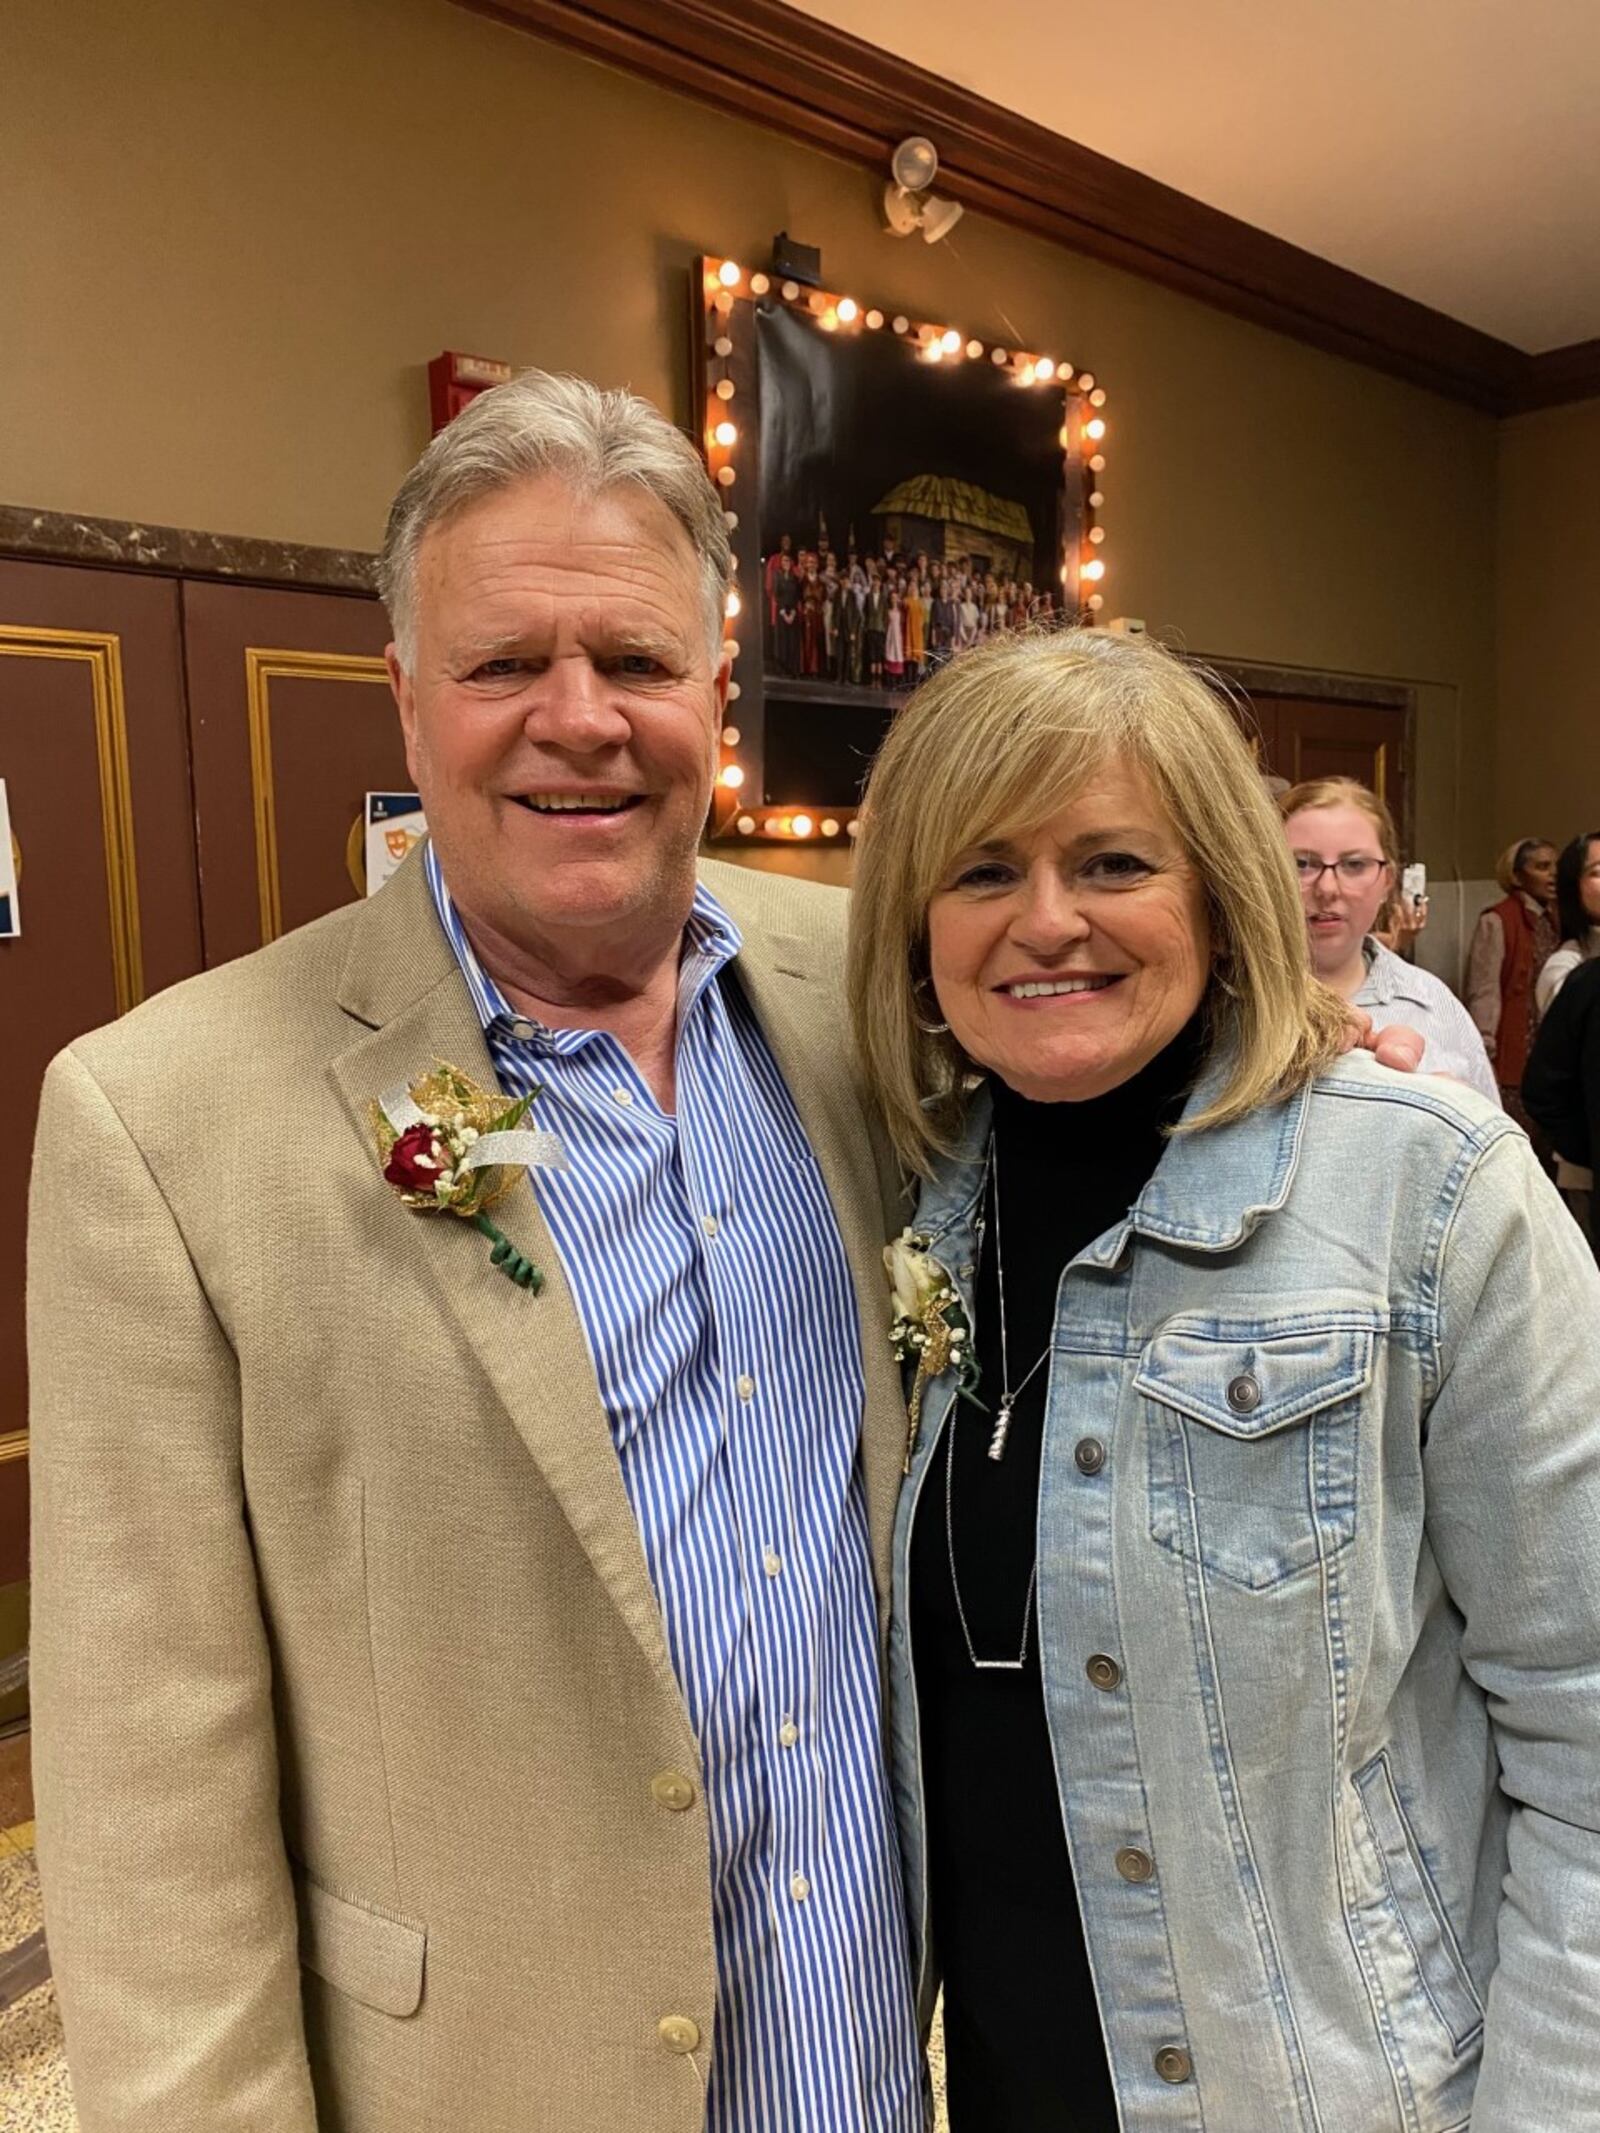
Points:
x=540, y=423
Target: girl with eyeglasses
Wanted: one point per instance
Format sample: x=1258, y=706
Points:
x=1341, y=836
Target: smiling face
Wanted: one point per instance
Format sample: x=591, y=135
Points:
x=1340, y=913
x=560, y=724
x=1066, y=957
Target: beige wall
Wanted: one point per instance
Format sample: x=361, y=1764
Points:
x=1548, y=759
x=233, y=236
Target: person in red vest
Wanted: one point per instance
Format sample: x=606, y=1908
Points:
x=1513, y=941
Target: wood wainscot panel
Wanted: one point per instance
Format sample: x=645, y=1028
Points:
x=94, y=753
x=292, y=725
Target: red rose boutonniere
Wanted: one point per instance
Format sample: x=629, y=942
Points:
x=449, y=1147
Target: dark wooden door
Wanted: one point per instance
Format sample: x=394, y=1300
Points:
x=95, y=757
x=1304, y=738
x=292, y=724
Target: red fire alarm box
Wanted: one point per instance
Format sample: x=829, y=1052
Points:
x=454, y=381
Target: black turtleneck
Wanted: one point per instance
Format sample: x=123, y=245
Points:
x=1023, y=2044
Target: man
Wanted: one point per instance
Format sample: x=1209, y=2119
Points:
x=456, y=1702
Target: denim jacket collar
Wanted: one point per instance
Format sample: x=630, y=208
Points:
x=1208, y=1192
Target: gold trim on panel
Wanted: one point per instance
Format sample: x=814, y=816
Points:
x=262, y=667
x=14, y=1446
x=1380, y=770
x=101, y=652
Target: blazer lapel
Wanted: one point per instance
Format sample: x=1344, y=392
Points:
x=402, y=981
x=798, y=1000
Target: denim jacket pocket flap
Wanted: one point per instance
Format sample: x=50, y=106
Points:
x=1248, y=1382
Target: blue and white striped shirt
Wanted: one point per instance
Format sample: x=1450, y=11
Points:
x=714, y=1291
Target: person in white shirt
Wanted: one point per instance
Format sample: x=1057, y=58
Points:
x=1578, y=916
x=1342, y=839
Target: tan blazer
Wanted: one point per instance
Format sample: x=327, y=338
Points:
x=354, y=1726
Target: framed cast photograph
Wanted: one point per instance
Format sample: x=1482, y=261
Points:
x=897, y=491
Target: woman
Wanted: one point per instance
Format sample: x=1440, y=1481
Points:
x=1578, y=921
x=1577, y=915
x=1511, y=943
x=1248, y=1612
x=1342, y=841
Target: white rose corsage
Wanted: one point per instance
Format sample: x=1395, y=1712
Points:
x=929, y=1327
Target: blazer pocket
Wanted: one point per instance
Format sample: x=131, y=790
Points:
x=362, y=1953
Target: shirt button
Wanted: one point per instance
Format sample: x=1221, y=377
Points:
x=678, y=2033
x=523, y=1031
x=1244, y=1394
x=1103, y=1670
x=772, y=1563
x=1135, y=1865
x=1089, y=1455
x=710, y=1225
x=745, y=1387
x=622, y=1096
x=673, y=1790
x=1173, y=2063
x=788, y=1733
x=799, y=1888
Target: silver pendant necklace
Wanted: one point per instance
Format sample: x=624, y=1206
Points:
x=1009, y=1395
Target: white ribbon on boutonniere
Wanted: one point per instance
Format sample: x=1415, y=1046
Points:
x=449, y=1147
x=929, y=1326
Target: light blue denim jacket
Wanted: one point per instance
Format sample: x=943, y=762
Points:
x=1322, y=1474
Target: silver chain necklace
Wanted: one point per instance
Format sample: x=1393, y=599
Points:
x=1009, y=1396
x=1009, y=1393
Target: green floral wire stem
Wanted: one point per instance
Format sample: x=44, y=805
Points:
x=508, y=1259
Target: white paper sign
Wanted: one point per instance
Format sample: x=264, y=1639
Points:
x=10, y=915
x=395, y=822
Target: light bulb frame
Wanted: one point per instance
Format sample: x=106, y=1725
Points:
x=725, y=337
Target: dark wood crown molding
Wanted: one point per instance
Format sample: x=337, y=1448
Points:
x=766, y=61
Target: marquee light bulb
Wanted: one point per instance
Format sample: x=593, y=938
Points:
x=1097, y=601
x=830, y=828
x=1097, y=534
x=759, y=284
x=849, y=310
x=1098, y=397
x=874, y=320
x=1044, y=370
x=733, y=697
x=722, y=346
x=1002, y=356
x=730, y=273
x=1095, y=429
x=732, y=777
x=802, y=825
x=747, y=825
x=934, y=351
x=726, y=476
x=726, y=433
x=1094, y=568
x=952, y=342
x=1086, y=381
x=733, y=604
x=974, y=349
x=730, y=736
x=725, y=388
x=901, y=323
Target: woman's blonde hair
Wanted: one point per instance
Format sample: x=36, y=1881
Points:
x=994, y=745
